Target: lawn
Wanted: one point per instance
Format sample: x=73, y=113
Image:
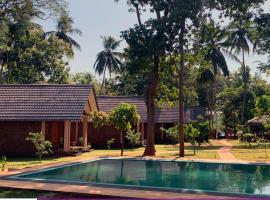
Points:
x=206, y=151
x=12, y=193
x=254, y=152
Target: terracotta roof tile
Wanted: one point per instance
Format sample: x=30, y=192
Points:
x=163, y=115
x=42, y=102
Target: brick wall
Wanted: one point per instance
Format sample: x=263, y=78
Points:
x=12, y=138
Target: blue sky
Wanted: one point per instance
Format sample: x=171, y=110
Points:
x=96, y=18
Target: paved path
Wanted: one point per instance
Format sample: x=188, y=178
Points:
x=224, y=152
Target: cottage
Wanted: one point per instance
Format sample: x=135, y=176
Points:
x=165, y=117
x=59, y=111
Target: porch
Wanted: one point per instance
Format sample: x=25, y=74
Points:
x=67, y=135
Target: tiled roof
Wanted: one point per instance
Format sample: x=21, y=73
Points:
x=42, y=102
x=107, y=103
x=163, y=115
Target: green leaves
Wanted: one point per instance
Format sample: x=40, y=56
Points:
x=124, y=116
x=42, y=146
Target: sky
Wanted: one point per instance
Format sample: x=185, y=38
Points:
x=96, y=18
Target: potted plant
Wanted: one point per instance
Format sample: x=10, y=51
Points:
x=3, y=165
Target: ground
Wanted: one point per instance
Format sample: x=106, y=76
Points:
x=206, y=151
x=215, y=149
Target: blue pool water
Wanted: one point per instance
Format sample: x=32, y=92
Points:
x=192, y=176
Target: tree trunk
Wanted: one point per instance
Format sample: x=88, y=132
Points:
x=150, y=104
x=122, y=143
x=1, y=71
x=213, y=106
x=243, y=120
x=181, y=91
x=103, y=82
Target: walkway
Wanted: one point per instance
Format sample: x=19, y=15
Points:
x=224, y=152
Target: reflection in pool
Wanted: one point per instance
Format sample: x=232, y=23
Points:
x=215, y=177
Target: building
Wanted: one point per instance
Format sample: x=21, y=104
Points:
x=59, y=111
x=165, y=117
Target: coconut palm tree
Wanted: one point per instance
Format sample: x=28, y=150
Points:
x=212, y=39
x=108, y=59
x=239, y=40
x=64, y=29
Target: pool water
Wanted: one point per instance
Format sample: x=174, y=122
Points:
x=191, y=176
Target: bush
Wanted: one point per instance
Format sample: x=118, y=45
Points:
x=99, y=119
x=109, y=143
x=248, y=138
x=192, y=135
x=3, y=163
x=171, y=134
x=42, y=146
x=133, y=138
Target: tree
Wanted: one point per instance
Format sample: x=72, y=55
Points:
x=211, y=41
x=64, y=29
x=123, y=117
x=108, y=59
x=25, y=55
x=192, y=135
x=42, y=146
x=239, y=40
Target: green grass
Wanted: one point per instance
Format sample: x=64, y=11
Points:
x=12, y=193
x=206, y=151
x=243, y=151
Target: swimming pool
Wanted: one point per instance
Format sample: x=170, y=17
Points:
x=163, y=175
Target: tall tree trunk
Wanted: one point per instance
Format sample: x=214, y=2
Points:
x=181, y=91
x=103, y=82
x=213, y=111
x=122, y=143
x=150, y=104
x=243, y=120
x=1, y=71
x=138, y=14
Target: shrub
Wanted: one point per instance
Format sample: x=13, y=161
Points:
x=42, y=146
x=99, y=119
x=3, y=162
x=122, y=118
x=192, y=135
x=171, y=134
x=133, y=138
x=248, y=138
x=109, y=143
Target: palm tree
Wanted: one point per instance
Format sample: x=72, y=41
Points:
x=239, y=39
x=64, y=29
x=108, y=59
x=212, y=41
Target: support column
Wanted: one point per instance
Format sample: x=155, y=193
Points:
x=162, y=132
x=138, y=127
x=85, y=131
x=43, y=127
x=67, y=136
x=76, y=132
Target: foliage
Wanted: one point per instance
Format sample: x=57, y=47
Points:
x=99, y=119
x=109, y=143
x=192, y=135
x=171, y=134
x=123, y=117
x=262, y=105
x=108, y=59
x=248, y=138
x=42, y=146
x=133, y=138
x=3, y=163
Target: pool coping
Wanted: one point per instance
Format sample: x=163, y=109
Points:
x=112, y=189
